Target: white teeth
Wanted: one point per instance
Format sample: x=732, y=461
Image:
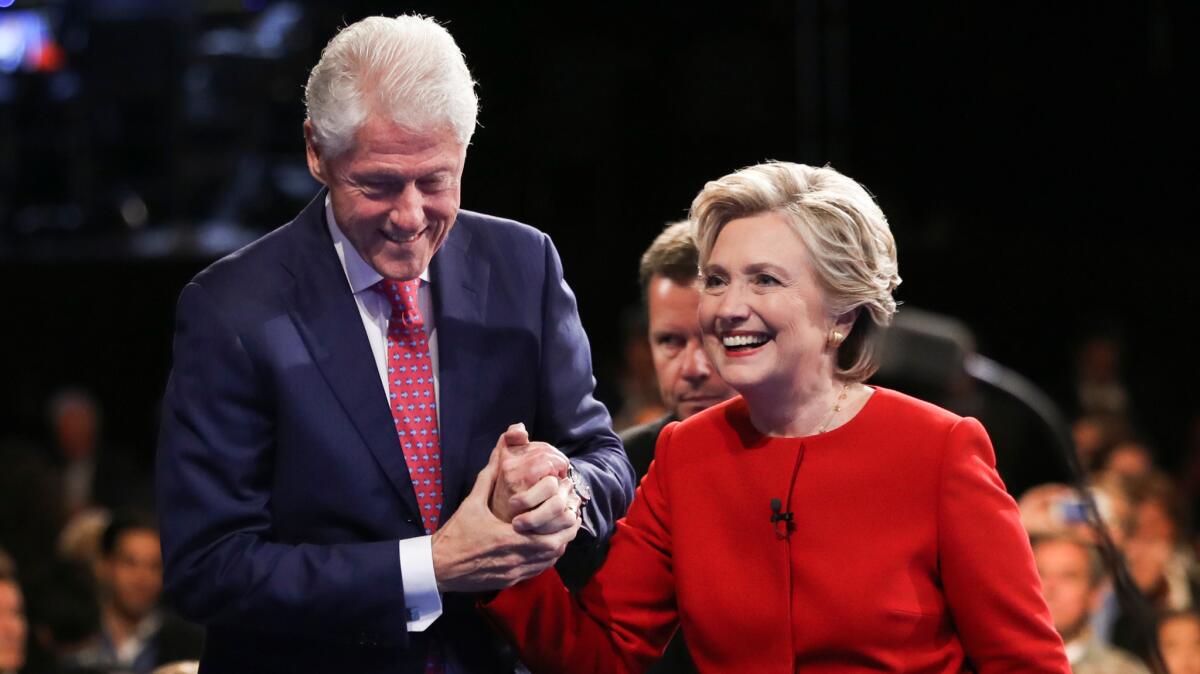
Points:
x=400, y=239
x=743, y=340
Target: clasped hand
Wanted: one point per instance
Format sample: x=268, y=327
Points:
x=515, y=523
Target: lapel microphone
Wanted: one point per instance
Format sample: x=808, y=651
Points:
x=785, y=529
x=784, y=520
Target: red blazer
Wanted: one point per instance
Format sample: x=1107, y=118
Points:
x=907, y=555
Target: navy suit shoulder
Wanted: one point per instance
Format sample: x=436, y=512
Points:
x=247, y=273
x=504, y=232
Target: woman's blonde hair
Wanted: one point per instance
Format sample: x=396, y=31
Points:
x=849, y=243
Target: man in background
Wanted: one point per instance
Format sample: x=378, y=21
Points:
x=135, y=634
x=1073, y=580
x=687, y=382
x=92, y=474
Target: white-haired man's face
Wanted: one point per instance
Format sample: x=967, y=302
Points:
x=395, y=193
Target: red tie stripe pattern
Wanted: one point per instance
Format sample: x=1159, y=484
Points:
x=411, y=397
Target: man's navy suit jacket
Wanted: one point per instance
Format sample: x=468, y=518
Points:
x=282, y=487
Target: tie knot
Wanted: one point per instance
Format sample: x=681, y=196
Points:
x=402, y=295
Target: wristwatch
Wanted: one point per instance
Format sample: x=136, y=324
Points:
x=580, y=485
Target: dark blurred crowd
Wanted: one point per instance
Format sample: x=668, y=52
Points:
x=1147, y=513
x=80, y=559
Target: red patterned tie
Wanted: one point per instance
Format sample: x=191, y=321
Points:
x=411, y=397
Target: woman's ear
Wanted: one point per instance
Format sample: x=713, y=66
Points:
x=842, y=325
x=845, y=322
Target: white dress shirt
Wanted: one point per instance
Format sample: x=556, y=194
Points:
x=416, y=554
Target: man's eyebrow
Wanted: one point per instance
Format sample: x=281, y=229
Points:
x=383, y=173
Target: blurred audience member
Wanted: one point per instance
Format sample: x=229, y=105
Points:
x=687, y=382
x=63, y=617
x=1179, y=641
x=1055, y=510
x=135, y=635
x=13, y=627
x=1095, y=435
x=1098, y=376
x=1072, y=580
x=80, y=540
x=1049, y=509
x=1160, y=559
x=1129, y=460
x=91, y=474
x=30, y=505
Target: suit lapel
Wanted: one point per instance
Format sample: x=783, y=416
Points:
x=327, y=317
x=460, y=286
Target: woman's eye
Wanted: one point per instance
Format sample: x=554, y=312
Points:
x=713, y=281
x=766, y=279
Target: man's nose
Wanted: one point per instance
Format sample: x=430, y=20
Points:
x=695, y=363
x=408, y=209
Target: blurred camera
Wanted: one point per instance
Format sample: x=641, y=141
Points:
x=1073, y=511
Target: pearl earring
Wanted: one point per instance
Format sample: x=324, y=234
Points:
x=836, y=338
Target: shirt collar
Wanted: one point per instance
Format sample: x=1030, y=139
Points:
x=359, y=273
x=1076, y=650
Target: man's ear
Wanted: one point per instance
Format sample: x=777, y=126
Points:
x=313, y=154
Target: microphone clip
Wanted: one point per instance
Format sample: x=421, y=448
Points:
x=785, y=529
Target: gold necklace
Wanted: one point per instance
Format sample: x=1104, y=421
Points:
x=837, y=407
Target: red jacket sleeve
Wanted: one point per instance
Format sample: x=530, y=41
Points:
x=987, y=568
x=622, y=620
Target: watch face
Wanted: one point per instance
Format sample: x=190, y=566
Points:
x=581, y=487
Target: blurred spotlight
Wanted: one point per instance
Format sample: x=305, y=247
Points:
x=6, y=3
x=26, y=42
x=133, y=211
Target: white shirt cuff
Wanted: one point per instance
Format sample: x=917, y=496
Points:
x=420, y=585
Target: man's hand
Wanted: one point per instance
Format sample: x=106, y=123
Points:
x=527, y=469
x=476, y=552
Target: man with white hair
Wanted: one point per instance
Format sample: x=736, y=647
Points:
x=385, y=406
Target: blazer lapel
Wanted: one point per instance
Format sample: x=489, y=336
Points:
x=327, y=317
x=460, y=287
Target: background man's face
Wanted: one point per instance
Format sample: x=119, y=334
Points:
x=687, y=381
x=12, y=627
x=395, y=193
x=76, y=428
x=133, y=573
x=1179, y=639
x=1063, y=566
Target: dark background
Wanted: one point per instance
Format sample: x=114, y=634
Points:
x=1035, y=163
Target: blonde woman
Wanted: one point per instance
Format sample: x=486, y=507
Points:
x=812, y=523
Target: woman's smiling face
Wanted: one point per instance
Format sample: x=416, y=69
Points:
x=762, y=312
